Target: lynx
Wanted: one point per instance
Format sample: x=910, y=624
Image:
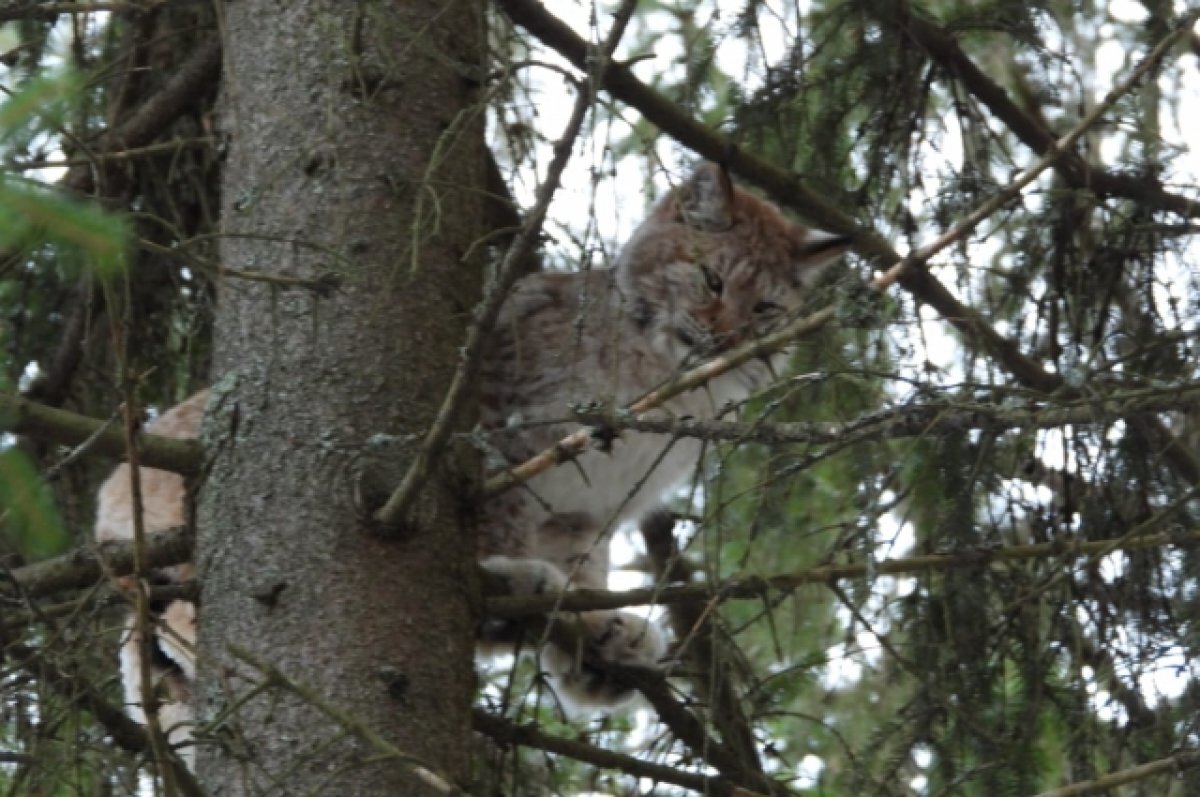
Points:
x=712, y=265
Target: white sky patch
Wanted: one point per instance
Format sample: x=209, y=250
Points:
x=841, y=670
x=1168, y=676
x=1127, y=11
x=1113, y=566
x=1053, y=451
x=808, y=772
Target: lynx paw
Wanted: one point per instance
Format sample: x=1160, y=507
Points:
x=615, y=637
x=521, y=577
x=526, y=576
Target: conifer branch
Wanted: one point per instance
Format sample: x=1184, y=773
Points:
x=949, y=417
x=85, y=566
x=45, y=11
x=578, y=441
x=507, y=732
x=74, y=689
x=697, y=638
x=22, y=416
x=653, y=686
x=103, y=597
x=1054, y=152
x=150, y=119
x=1184, y=759
x=755, y=587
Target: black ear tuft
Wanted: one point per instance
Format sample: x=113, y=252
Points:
x=818, y=250
x=706, y=199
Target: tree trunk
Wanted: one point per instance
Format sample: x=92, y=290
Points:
x=355, y=149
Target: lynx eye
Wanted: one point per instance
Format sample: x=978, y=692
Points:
x=763, y=308
x=714, y=282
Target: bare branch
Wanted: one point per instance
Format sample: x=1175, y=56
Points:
x=21, y=416
x=756, y=587
x=509, y=733
x=1185, y=759
x=83, y=567
x=943, y=48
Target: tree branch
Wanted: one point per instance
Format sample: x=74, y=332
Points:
x=578, y=441
x=49, y=10
x=708, y=654
x=145, y=124
x=653, y=686
x=83, y=567
x=943, y=48
x=510, y=733
x=73, y=688
x=22, y=416
x=950, y=417
x=1185, y=759
x=577, y=600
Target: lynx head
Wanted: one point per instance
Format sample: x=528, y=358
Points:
x=713, y=265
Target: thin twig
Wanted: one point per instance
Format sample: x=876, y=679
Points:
x=117, y=155
x=84, y=566
x=143, y=622
x=511, y=606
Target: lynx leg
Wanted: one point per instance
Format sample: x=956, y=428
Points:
x=617, y=637
x=173, y=669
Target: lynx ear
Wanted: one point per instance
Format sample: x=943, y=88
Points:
x=705, y=200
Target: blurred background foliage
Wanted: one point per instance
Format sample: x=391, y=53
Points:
x=985, y=678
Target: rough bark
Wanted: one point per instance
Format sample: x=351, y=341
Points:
x=355, y=146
